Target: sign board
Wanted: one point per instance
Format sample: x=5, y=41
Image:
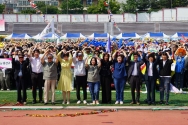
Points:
x=6, y=63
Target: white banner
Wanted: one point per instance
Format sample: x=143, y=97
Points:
x=6, y=63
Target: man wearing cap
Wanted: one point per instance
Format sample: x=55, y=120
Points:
x=20, y=67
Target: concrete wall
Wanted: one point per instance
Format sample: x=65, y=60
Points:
x=178, y=14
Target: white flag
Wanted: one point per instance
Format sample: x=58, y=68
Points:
x=49, y=28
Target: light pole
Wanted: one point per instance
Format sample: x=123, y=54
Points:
x=46, y=8
x=67, y=7
x=171, y=9
x=109, y=10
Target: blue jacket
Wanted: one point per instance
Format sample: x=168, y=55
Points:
x=180, y=62
x=119, y=69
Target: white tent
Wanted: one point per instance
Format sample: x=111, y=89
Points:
x=156, y=35
x=37, y=36
x=12, y=36
x=23, y=36
x=50, y=36
x=72, y=36
x=128, y=35
x=100, y=36
x=180, y=35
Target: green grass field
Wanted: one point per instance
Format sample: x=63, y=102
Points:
x=175, y=99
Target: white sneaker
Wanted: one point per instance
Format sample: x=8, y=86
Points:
x=97, y=102
x=68, y=102
x=93, y=103
x=85, y=102
x=25, y=103
x=78, y=102
x=1, y=89
x=63, y=102
x=117, y=102
x=8, y=89
x=87, y=89
x=121, y=102
x=181, y=90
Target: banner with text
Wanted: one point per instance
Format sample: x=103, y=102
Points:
x=6, y=63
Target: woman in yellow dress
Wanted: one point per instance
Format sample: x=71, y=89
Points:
x=65, y=80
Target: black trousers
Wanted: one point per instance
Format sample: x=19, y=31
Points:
x=37, y=82
x=150, y=83
x=21, y=85
x=81, y=81
x=106, y=89
x=186, y=79
x=135, y=83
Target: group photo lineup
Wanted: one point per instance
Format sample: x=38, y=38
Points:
x=91, y=58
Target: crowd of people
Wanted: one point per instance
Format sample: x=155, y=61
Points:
x=52, y=65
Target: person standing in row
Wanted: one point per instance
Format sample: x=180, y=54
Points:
x=135, y=76
x=50, y=75
x=179, y=71
x=80, y=75
x=93, y=78
x=20, y=67
x=165, y=76
x=5, y=74
x=106, y=78
x=65, y=79
x=119, y=75
x=36, y=75
x=151, y=76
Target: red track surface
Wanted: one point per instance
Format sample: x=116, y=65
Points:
x=130, y=117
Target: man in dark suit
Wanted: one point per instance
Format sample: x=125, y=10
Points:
x=165, y=76
x=151, y=76
x=135, y=76
x=20, y=67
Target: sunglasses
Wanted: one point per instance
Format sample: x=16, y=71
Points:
x=20, y=57
x=49, y=58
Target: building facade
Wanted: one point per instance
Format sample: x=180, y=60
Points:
x=15, y=6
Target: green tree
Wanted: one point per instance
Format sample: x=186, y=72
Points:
x=130, y=6
x=143, y=5
x=40, y=4
x=2, y=7
x=179, y=3
x=154, y=5
x=49, y=9
x=99, y=8
x=72, y=7
x=31, y=11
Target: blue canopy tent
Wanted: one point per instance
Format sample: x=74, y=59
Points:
x=12, y=36
x=100, y=36
x=156, y=35
x=51, y=36
x=180, y=34
x=128, y=36
x=72, y=36
x=23, y=36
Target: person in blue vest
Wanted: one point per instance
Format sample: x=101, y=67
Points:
x=179, y=71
